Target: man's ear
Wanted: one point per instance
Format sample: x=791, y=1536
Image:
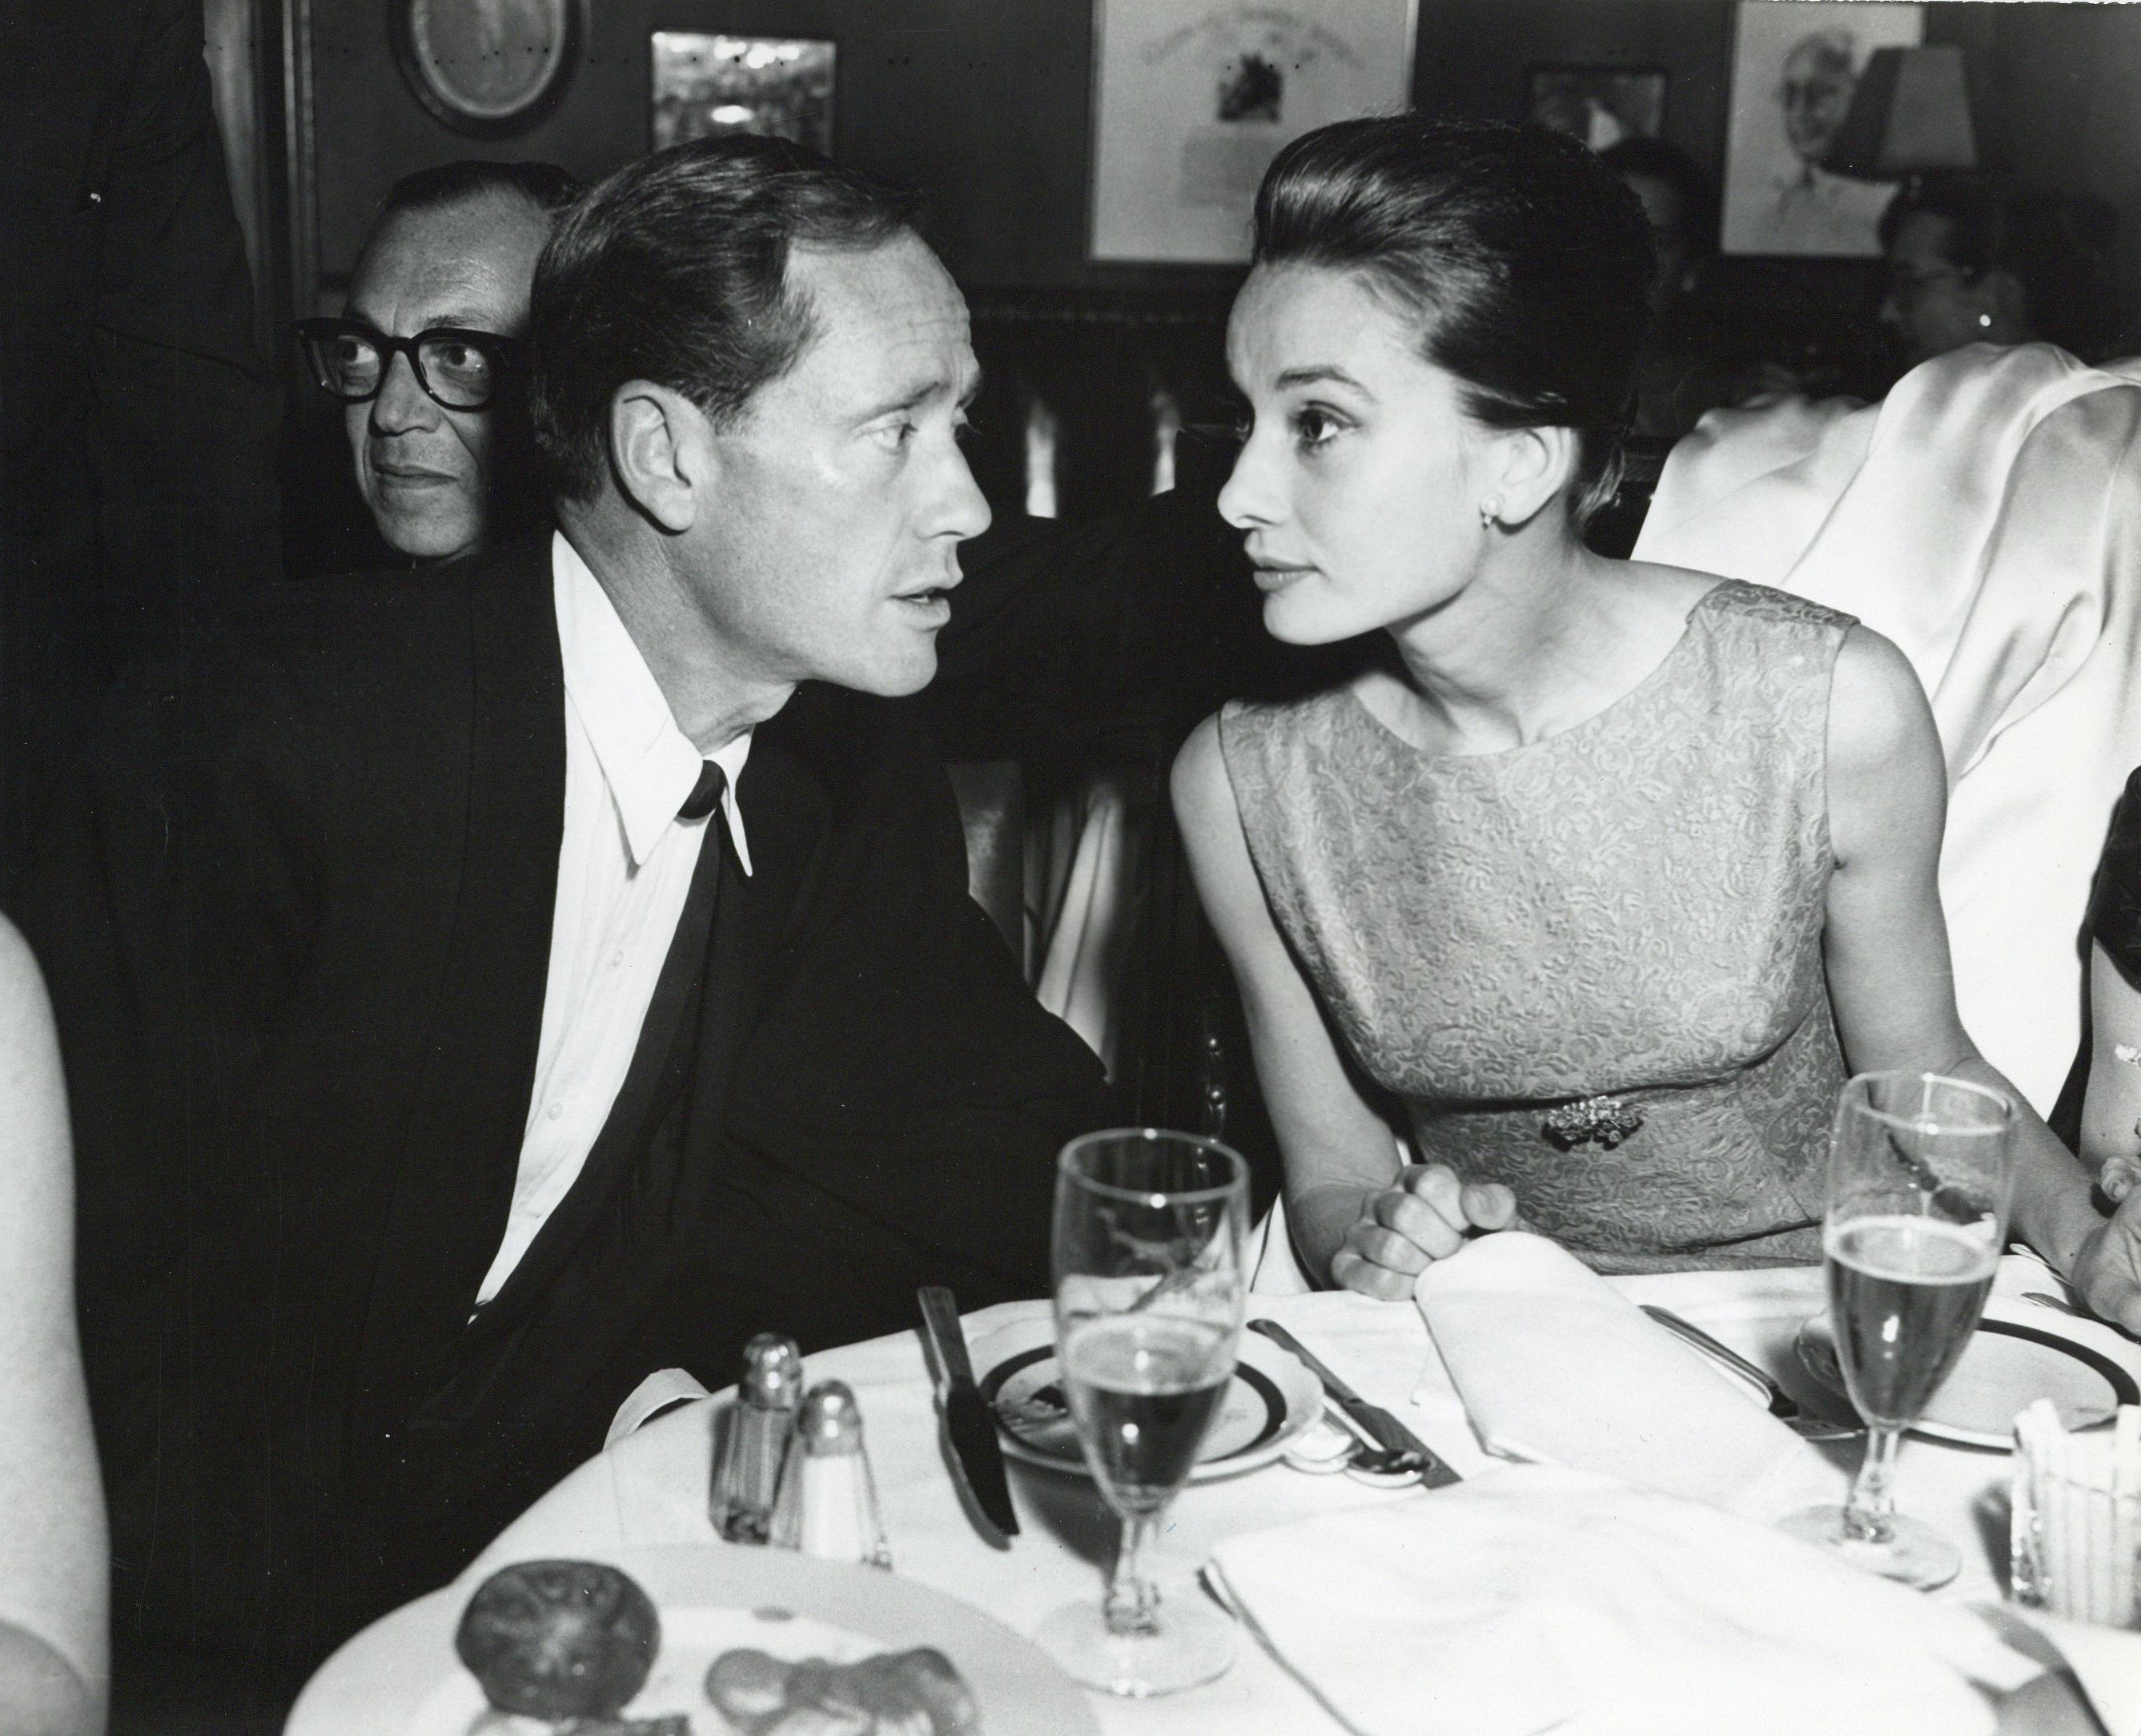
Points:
x=1532, y=464
x=661, y=449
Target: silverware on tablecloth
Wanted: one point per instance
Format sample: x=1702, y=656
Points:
x=970, y=1429
x=1378, y=1425
x=1782, y=1406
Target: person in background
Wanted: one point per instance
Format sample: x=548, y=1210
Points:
x=1592, y=885
x=52, y=1568
x=1978, y=259
x=1686, y=367
x=425, y=359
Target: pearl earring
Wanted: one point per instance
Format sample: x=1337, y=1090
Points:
x=1985, y=319
x=1490, y=509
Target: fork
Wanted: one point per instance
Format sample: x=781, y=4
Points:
x=1782, y=1406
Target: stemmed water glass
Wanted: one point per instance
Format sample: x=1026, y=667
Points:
x=1921, y=1172
x=1149, y=1295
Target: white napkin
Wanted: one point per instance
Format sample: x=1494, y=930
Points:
x=1555, y=1366
x=1530, y=1598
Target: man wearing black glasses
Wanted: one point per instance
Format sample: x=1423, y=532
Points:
x=425, y=358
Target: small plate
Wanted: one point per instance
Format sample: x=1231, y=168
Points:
x=1272, y=1399
x=399, y=1676
x=2019, y=1354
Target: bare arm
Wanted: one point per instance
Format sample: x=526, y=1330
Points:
x=53, y=1547
x=1357, y=1219
x=1885, y=946
x=2111, y=1109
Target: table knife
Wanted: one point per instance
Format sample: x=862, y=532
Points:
x=969, y=1425
x=1385, y=1429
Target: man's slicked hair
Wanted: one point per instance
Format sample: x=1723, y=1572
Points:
x=675, y=270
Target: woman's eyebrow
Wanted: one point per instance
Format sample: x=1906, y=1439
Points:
x=1316, y=375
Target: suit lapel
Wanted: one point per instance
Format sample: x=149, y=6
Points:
x=756, y=919
x=455, y=1185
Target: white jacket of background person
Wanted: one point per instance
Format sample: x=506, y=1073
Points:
x=1986, y=516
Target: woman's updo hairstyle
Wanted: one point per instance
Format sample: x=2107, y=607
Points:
x=1526, y=262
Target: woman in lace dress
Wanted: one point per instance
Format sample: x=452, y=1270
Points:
x=1597, y=881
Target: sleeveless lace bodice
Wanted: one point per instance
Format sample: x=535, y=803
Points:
x=1630, y=911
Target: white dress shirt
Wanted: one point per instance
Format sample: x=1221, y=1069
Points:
x=624, y=866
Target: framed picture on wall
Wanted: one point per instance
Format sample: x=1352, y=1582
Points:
x=1794, y=66
x=1601, y=105
x=706, y=83
x=488, y=68
x=1193, y=99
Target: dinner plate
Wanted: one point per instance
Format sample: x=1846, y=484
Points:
x=399, y=1677
x=1272, y=1399
x=2020, y=1352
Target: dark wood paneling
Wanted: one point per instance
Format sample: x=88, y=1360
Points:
x=986, y=104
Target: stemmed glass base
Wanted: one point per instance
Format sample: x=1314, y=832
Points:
x=1900, y=1549
x=1195, y=1645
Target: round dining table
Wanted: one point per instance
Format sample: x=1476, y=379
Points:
x=650, y=1488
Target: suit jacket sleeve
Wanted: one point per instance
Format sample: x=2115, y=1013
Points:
x=1094, y=640
x=916, y=1079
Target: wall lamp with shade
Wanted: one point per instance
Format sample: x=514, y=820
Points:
x=1909, y=116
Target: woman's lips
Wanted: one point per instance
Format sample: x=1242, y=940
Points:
x=1270, y=579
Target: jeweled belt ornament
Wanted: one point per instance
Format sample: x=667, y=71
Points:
x=1601, y=1121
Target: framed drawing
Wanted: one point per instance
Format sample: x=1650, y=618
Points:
x=489, y=68
x=1192, y=99
x=1601, y=106
x=1794, y=65
x=706, y=83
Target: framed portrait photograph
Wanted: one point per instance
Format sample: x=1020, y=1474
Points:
x=1794, y=66
x=1193, y=99
x=706, y=83
x=488, y=68
x=1601, y=105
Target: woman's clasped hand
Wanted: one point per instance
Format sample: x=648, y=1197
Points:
x=1426, y=1215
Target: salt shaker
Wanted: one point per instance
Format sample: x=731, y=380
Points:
x=753, y=1443
x=828, y=1504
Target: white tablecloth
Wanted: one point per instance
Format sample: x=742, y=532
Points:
x=651, y=1487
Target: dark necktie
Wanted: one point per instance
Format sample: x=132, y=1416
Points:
x=706, y=795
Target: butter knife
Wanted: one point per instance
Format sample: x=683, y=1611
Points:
x=1382, y=1428
x=970, y=1428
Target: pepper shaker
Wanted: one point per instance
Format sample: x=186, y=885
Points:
x=827, y=1504
x=754, y=1441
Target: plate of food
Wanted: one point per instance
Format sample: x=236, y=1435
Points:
x=2021, y=1352
x=718, y=1640
x=1270, y=1402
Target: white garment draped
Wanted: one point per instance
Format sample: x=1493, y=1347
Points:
x=1986, y=517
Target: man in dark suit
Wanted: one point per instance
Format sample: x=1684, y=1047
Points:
x=497, y=988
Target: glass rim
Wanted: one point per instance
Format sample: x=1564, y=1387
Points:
x=1065, y=1164
x=1858, y=1099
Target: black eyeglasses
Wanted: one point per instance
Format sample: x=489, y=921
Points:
x=460, y=369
